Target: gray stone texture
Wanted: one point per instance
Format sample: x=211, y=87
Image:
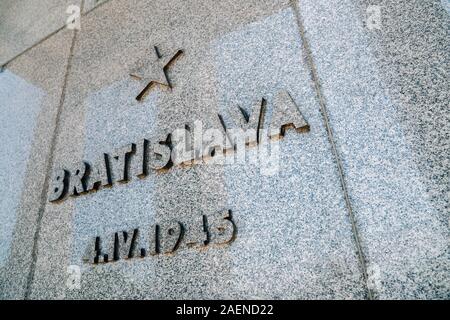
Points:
x=387, y=95
x=294, y=231
x=371, y=173
x=89, y=5
x=30, y=93
x=24, y=23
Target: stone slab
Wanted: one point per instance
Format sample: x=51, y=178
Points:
x=23, y=23
x=383, y=69
x=30, y=93
x=364, y=82
x=294, y=238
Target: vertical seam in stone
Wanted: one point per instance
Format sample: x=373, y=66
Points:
x=49, y=167
x=318, y=89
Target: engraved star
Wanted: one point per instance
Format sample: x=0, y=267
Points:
x=156, y=75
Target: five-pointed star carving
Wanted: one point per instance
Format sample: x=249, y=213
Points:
x=156, y=74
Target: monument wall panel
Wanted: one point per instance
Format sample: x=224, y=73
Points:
x=291, y=224
x=30, y=96
x=261, y=149
x=383, y=70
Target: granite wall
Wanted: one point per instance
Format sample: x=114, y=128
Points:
x=127, y=171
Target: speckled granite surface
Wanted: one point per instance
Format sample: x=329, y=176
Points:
x=353, y=206
x=25, y=23
x=30, y=93
x=293, y=230
x=387, y=94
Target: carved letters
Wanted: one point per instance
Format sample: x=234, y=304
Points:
x=164, y=238
x=186, y=146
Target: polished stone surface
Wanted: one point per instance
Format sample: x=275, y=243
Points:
x=294, y=231
x=386, y=90
x=30, y=93
x=23, y=23
x=89, y=5
x=352, y=205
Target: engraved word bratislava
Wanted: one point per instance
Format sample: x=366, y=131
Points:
x=222, y=142
x=180, y=147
